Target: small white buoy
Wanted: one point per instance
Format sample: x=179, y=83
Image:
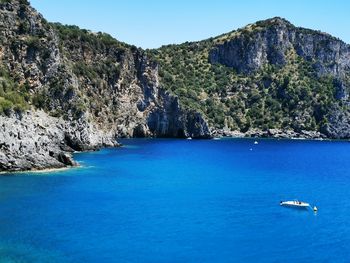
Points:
x=315, y=209
x=256, y=142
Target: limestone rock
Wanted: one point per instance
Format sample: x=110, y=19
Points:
x=38, y=141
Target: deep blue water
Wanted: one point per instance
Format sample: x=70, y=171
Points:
x=183, y=201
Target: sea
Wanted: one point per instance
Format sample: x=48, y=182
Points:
x=173, y=200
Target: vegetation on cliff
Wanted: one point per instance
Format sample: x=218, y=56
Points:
x=289, y=96
x=13, y=96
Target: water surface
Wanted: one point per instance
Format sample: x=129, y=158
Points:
x=183, y=201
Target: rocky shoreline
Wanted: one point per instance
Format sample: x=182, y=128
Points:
x=37, y=141
x=270, y=133
x=46, y=170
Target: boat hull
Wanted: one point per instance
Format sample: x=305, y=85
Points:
x=295, y=204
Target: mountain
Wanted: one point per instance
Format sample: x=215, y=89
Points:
x=266, y=76
x=65, y=89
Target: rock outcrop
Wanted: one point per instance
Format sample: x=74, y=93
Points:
x=270, y=133
x=37, y=141
x=267, y=42
x=338, y=125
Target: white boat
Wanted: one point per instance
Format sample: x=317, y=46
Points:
x=296, y=203
x=256, y=142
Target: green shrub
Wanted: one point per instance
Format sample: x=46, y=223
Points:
x=12, y=95
x=5, y=105
x=39, y=100
x=33, y=42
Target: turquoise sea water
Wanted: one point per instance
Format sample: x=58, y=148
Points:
x=183, y=201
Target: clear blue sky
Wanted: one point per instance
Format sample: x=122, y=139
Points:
x=152, y=23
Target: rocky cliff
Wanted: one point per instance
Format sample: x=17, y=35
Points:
x=268, y=42
x=64, y=89
x=35, y=140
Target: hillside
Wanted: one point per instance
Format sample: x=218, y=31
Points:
x=65, y=89
x=267, y=75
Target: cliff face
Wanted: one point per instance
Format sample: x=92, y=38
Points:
x=267, y=42
x=77, y=90
x=36, y=140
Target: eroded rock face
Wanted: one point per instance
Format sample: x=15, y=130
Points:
x=269, y=42
x=29, y=47
x=36, y=140
x=164, y=115
x=172, y=121
x=338, y=125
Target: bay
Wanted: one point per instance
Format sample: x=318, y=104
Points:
x=167, y=200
